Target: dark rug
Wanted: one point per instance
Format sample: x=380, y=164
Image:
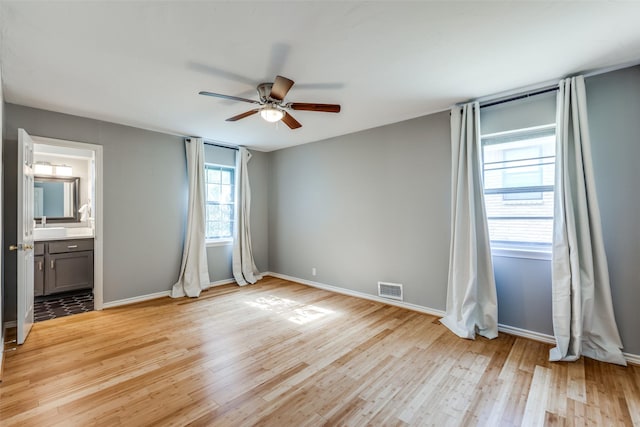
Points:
x=54, y=306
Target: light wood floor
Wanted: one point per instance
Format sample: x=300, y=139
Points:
x=282, y=354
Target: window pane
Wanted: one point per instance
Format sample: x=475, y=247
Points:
x=226, y=195
x=210, y=229
x=214, y=196
x=226, y=212
x=518, y=182
x=213, y=175
x=220, y=201
x=213, y=213
x=216, y=228
x=226, y=177
x=227, y=229
x=528, y=230
x=210, y=192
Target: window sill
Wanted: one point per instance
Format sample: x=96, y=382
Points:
x=219, y=242
x=505, y=252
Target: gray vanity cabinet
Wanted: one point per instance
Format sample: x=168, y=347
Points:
x=38, y=264
x=68, y=266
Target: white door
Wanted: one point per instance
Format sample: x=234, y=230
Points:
x=25, y=235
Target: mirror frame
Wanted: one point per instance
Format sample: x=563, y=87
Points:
x=76, y=196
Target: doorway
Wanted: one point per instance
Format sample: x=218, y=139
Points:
x=68, y=228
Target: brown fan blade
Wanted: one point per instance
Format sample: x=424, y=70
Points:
x=290, y=121
x=243, y=115
x=327, y=108
x=233, y=98
x=280, y=88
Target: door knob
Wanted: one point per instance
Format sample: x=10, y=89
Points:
x=20, y=247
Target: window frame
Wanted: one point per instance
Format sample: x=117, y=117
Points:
x=220, y=240
x=515, y=249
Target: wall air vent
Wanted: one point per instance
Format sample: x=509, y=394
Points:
x=390, y=290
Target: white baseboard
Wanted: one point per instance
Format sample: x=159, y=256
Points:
x=632, y=358
x=525, y=333
x=511, y=330
x=222, y=282
x=407, y=305
x=133, y=300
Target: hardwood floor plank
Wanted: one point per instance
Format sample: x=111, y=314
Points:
x=534, y=412
x=279, y=353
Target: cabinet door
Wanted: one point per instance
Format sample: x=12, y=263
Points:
x=69, y=272
x=38, y=276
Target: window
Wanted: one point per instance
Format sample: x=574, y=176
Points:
x=519, y=169
x=220, y=196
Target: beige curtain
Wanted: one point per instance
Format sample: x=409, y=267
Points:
x=472, y=305
x=194, y=272
x=583, y=319
x=244, y=267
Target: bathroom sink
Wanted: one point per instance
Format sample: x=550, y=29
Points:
x=54, y=233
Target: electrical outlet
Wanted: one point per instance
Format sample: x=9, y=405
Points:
x=313, y=271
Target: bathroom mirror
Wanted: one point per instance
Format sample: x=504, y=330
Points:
x=56, y=199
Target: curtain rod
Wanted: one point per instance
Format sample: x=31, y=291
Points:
x=220, y=145
x=519, y=96
x=188, y=138
x=549, y=86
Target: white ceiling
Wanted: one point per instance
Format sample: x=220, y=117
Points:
x=143, y=63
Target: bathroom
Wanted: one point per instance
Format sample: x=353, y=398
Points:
x=64, y=229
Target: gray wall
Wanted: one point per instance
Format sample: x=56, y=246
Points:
x=524, y=293
x=374, y=205
x=614, y=122
x=367, y=207
x=145, y=196
x=259, y=167
x=145, y=191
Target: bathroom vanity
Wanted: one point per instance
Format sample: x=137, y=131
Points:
x=63, y=249
x=62, y=264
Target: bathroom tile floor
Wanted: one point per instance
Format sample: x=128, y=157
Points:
x=54, y=306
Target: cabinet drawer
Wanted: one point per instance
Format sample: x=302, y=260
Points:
x=38, y=248
x=70, y=246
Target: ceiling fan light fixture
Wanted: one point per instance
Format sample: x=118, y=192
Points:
x=271, y=114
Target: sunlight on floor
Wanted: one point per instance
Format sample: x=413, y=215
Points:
x=292, y=310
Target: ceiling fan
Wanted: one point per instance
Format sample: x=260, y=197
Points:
x=272, y=106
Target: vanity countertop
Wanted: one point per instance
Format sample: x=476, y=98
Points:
x=62, y=233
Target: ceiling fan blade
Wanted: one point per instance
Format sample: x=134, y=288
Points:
x=280, y=88
x=233, y=98
x=290, y=121
x=327, y=108
x=243, y=115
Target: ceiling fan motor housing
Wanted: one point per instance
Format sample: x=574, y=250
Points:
x=264, y=89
